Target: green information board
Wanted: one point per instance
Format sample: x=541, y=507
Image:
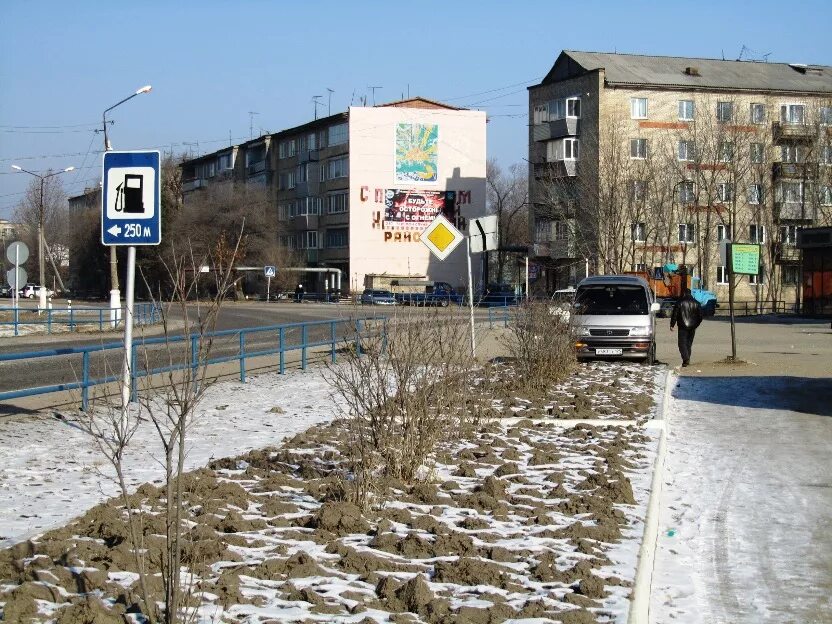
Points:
x=745, y=259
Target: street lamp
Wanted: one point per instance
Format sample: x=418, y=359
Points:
x=115, y=295
x=42, y=178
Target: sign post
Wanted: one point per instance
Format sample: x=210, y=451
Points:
x=269, y=272
x=130, y=216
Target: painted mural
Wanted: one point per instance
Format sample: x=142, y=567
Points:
x=417, y=153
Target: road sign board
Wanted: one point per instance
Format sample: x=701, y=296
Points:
x=483, y=234
x=745, y=259
x=17, y=253
x=16, y=278
x=269, y=271
x=131, y=199
x=441, y=237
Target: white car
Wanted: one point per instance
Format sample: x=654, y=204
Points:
x=561, y=303
x=30, y=291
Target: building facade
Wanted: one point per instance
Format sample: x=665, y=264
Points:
x=351, y=192
x=639, y=161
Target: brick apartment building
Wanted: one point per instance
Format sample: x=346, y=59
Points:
x=352, y=191
x=637, y=161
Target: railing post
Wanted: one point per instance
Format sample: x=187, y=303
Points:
x=281, y=336
x=133, y=374
x=304, y=335
x=100, y=318
x=384, y=335
x=358, y=337
x=85, y=381
x=49, y=320
x=194, y=355
x=332, y=340
x=242, y=357
x=16, y=317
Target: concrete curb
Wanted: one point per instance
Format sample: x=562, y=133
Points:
x=640, y=605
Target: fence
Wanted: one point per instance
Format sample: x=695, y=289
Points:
x=753, y=308
x=72, y=319
x=152, y=356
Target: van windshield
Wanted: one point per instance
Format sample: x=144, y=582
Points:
x=610, y=299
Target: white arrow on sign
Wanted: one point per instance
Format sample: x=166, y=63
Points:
x=115, y=230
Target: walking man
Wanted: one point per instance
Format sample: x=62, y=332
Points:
x=688, y=314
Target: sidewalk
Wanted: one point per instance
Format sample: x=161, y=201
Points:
x=744, y=531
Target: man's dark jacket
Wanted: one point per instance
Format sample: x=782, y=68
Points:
x=687, y=312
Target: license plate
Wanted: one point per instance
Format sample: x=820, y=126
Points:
x=608, y=351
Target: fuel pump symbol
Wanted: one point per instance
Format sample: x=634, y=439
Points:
x=129, y=194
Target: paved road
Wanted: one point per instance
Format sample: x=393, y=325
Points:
x=746, y=520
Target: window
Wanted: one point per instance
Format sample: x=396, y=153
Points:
x=561, y=229
x=308, y=239
x=557, y=109
x=686, y=150
x=756, y=233
x=311, y=142
x=788, y=235
x=756, y=280
x=562, y=149
x=758, y=113
x=686, y=110
x=286, y=180
x=791, y=192
x=755, y=193
x=638, y=190
x=255, y=155
x=639, y=267
x=723, y=232
x=338, y=237
x=725, y=191
x=726, y=151
x=791, y=274
x=573, y=107
x=283, y=211
x=542, y=230
x=639, y=232
x=792, y=154
x=287, y=148
x=826, y=155
x=224, y=162
x=302, y=172
x=757, y=153
x=825, y=115
x=724, y=111
x=335, y=168
x=638, y=108
x=309, y=206
x=826, y=195
x=686, y=192
x=792, y=114
x=337, y=203
x=638, y=148
x=687, y=233
x=337, y=135
x=721, y=275
x=541, y=114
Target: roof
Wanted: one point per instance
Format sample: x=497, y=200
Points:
x=612, y=279
x=419, y=102
x=673, y=72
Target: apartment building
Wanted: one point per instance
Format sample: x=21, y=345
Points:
x=352, y=192
x=637, y=161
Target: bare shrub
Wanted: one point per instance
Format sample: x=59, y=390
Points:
x=405, y=391
x=541, y=345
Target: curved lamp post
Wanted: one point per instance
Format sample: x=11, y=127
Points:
x=42, y=178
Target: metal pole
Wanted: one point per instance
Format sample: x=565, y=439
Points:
x=527, y=278
x=128, y=327
x=470, y=296
x=268, y=287
x=42, y=273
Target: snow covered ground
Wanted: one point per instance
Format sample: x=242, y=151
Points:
x=745, y=532
x=51, y=470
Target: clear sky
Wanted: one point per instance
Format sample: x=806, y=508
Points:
x=211, y=62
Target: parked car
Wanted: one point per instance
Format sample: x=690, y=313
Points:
x=30, y=291
x=615, y=316
x=6, y=291
x=561, y=303
x=377, y=297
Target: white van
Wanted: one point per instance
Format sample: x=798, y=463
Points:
x=615, y=316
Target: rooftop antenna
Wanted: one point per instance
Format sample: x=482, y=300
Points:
x=316, y=103
x=352, y=99
x=251, y=115
x=373, y=89
x=329, y=102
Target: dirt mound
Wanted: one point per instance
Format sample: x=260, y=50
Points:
x=339, y=518
x=91, y=611
x=469, y=571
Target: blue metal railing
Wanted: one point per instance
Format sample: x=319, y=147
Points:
x=352, y=330
x=73, y=318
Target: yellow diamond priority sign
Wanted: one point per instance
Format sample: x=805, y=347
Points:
x=441, y=237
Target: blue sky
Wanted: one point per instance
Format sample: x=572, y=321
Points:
x=211, y=62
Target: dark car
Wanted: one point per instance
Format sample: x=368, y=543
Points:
x=6, y=291
x=377, y=297
x=497, y=295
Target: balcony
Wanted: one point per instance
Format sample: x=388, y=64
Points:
x=305, y=222
x=556, y=129
x=792, y=132
x=793, y=211
x=553, y=170
x=256, y=167
x=308, y=155
x=562, y=248
x=192, y=185
x=800, y=171
x=787, y=253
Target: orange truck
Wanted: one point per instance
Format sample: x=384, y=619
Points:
x=668, y=283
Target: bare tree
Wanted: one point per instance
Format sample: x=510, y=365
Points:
x=507, y=198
